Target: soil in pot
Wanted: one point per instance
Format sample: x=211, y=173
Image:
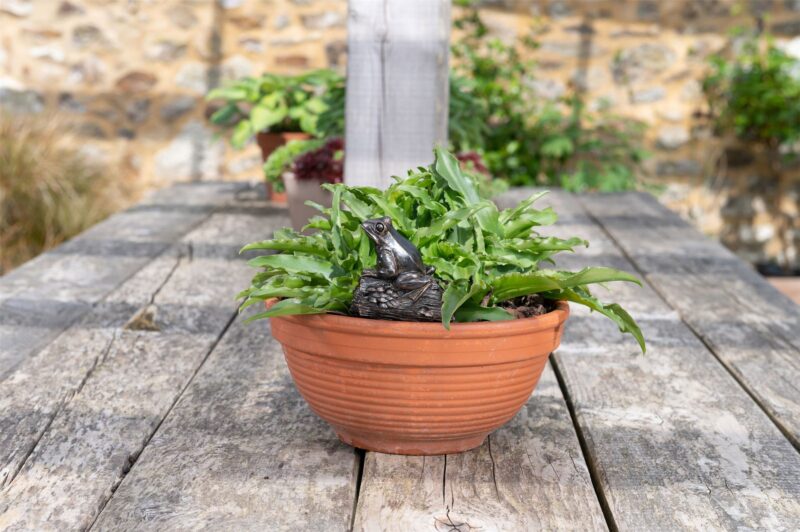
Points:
x=269, y=142
x=416, y=388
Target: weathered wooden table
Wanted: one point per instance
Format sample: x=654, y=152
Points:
x=132, y=397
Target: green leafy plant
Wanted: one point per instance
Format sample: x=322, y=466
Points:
x=593, y=151
x=468, y=118
x=483, y=257
x=755, y=93
x=331, y=121
x=528, y=141
x=474, y=166
x=500, y=77
x=273, y=103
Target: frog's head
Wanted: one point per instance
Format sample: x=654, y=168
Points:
x=377, y=229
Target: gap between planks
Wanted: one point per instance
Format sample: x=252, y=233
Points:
x=10, y=470
x=27, y=304
x=178, y=318
x=360, y=455
x=529, y=474
x=761, y=401
x=632, y=449
x=166, y=415
x=240, y=451
x=587, y=455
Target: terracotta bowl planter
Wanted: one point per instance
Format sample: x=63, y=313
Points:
x=416, y=388
x=300, y=191
x=269, y=142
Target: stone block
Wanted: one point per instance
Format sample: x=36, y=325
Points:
x=643, y=62
x=136, y=81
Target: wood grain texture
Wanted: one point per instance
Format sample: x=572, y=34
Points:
x=674, y=442
x=42, y=384
x=113, y=381
x=529, y=475
x=752, y=328
x=44, y=296
x=397, y=87
x=240, y=451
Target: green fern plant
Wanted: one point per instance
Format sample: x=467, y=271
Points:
x=482, y=256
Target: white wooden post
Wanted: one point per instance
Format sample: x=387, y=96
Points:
x=397, y=87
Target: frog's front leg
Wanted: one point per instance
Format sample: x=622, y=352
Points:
x=387, y=265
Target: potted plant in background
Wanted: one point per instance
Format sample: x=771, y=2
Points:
x=293, y=167
x=275, y=109
x=280, y=161
x=305, y=176
x=301, y=167
x=416, y=387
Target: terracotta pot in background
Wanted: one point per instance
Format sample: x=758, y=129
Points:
x=416, y=388
x=280, y=198
x=269, y=142
x=299, y=191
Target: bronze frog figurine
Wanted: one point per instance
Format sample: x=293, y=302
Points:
x=398, y=260
x=401, y=286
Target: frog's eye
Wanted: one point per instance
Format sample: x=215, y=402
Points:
x=380, y=227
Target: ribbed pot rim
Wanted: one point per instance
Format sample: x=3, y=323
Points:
x=430, y=330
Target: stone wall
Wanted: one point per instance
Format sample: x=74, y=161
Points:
x=645, y=59
x=129, y=77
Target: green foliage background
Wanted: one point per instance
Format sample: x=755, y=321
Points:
x=275, y=103
x=755, y=92
x=493, y=111
x=529, y=141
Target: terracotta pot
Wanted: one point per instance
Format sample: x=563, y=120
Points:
x=281, y=198
x=416, y=388
x=269, y=142
x=300, y=191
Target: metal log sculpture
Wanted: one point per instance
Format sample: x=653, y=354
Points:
x=400, y=287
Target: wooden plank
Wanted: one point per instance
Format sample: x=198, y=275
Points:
x=75, y=436
x=397, y=87
x=752, y=328
x=673, y=441
x=529, y=475
x=240, y=451
x=41, y=298
x=42, y=384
